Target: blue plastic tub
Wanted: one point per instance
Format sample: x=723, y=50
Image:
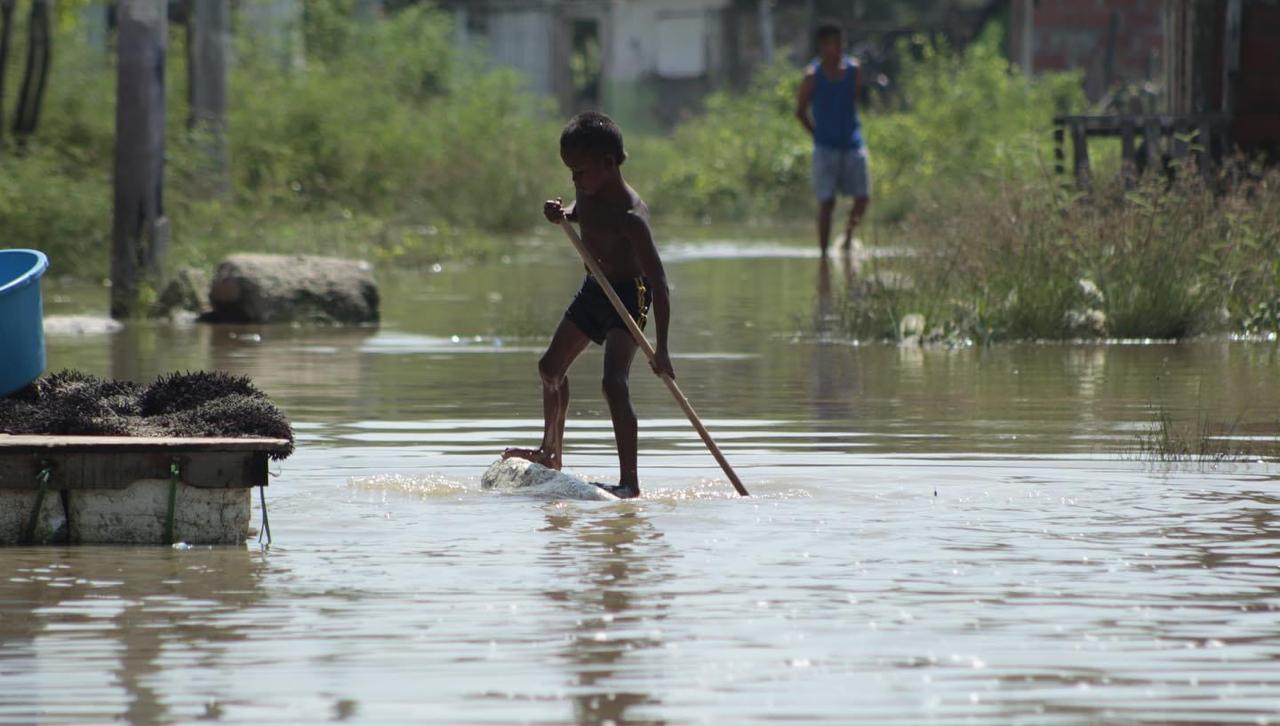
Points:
x=21, y=318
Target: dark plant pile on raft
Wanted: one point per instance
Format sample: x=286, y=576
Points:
x=179, y=404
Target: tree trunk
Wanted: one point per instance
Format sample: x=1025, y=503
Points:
x=140, y=231
x=208, y=42
x=6, y=27
x=31, y=96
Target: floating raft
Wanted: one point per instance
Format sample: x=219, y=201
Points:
x=129, y=490
x=518, y=476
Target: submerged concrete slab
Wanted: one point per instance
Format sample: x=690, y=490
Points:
x=518, y=476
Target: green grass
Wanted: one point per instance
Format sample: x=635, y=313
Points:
x=1027, y=262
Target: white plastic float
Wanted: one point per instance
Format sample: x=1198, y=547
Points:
x=519, y=476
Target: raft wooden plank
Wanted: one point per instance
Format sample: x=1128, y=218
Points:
x=38, y=443
x=79, y=470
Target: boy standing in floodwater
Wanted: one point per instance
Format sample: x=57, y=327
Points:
x=615, y=231
x=827, y=106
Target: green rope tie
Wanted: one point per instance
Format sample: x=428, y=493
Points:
x=266, y=525
x=42, y=479
x=175, y=474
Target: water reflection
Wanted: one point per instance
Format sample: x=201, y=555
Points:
x=87, y=601
x=612, y=576
x=832, y=365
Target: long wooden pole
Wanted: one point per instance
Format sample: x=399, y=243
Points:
x=643, y=342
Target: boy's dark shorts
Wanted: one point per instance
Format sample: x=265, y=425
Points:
x=594, y=315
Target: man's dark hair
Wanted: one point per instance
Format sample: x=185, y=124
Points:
x=827, y=29
x=593, y=133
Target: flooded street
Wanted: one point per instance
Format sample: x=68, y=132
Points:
x=937, y=535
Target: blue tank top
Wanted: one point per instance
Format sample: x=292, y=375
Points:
x=835, y=108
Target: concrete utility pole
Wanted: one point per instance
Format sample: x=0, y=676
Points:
x=208, y=43
x=140, y=234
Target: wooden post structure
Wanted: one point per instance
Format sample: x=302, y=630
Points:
x=1152, y=136
x=1080, y=153
x=208, y=43
x=1059, y=153
x=140, y=232
x=1205, y=156
x=1128, y=167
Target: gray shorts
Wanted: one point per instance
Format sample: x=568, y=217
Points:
x=840, y=170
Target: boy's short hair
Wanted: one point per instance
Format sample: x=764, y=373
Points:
x=594, y=133
x=827, y=29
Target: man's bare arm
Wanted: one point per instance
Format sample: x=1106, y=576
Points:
x=803, y=98
x=641, y=238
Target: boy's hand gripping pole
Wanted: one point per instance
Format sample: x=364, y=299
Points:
x=643, y=342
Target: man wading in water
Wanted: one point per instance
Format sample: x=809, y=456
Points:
x=830, y=89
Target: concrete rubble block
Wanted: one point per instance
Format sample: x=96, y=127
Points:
x=57, y=325
x=186, y=291
x=15, y=515
x=137, y=514
x=259, y=288
x=518, y=476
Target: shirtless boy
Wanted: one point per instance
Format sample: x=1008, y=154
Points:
x=615, y=230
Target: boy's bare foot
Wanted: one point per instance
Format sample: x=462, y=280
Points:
x=537, y=456
x=621, y=491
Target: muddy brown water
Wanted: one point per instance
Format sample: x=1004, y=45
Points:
x=937, y=535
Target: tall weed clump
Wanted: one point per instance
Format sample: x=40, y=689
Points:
x=1035, y=261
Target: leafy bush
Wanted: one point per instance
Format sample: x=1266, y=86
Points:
x=388, y=142
x=962, y=119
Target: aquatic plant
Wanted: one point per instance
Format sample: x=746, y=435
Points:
x=1201, y=440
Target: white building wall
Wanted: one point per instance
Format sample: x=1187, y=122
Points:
x=667, y=38
x=523, y=39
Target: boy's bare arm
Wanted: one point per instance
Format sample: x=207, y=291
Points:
x=803, y=98
x=641, y=238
